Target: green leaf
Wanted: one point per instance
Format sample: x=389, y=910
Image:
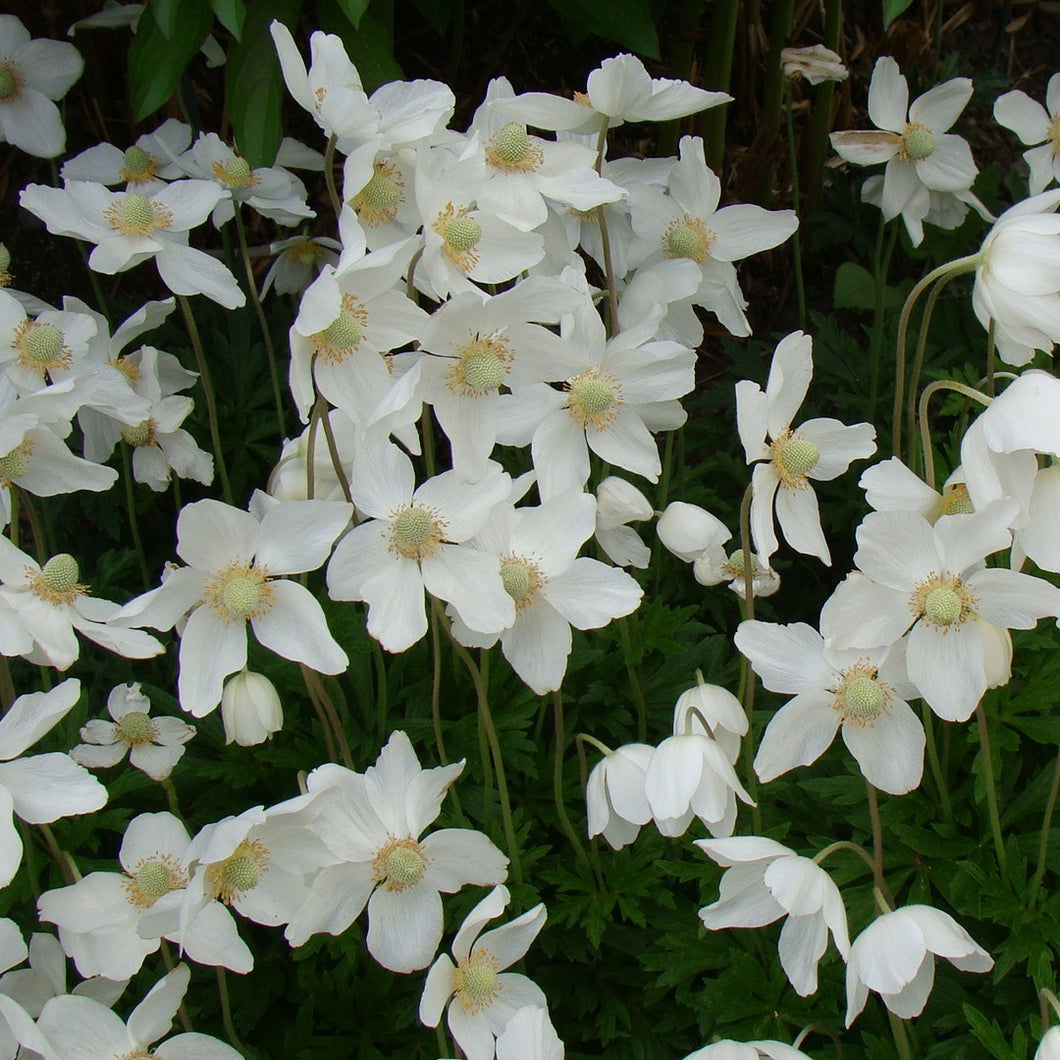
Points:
x=354, y=10
x=156, y=63
x=255, y=84
x=892, y=9
x=989, y=1034
x=855, y=288
x=436, y=13
x=231, y=14
x=627, y=22
x=165, y=13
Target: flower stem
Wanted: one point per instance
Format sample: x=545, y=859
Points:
x=846, y=844
x=226, y=1014
x=881, y=267
x=605, y=238
x=633, y=673
x=182, y=1012
x=991, y=790
x=877, y=845
x=211, y=405
x=317, y=690
x=325, y=725
x=557, y=782
x=936, y=766
x=134, y=521
x=171, y=798
x=1043, y=844
x=925, y=426
x=329, y=175
x=793, y=158
x=263, y=323
x=901, y=1039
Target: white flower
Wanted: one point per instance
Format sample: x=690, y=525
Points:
x=890, y=486
x=863, y=692
x=484, y=996
x=921, y=155
x=33, y=73
x=236, y=563
x=619, y=503
x=298, y=260
x=1018, y=279
x=529, y=1035
x=1049, y=1047
x=819, y=449
x=372, y=826
x=614, y=796
x=143, y=167
x=895, y=956
x=765, y=881
x=727, y=1049
x=154, y=745
x=816, y=63
x=1035, y=124
x=250, y=709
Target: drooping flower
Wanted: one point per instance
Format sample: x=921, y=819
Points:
x=614, y=795
x=250, y=709
x=619, y=503
x=529, y=1035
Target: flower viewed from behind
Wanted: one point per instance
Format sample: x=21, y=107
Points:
x=895, y=956
x=483, y=996
x=815, y=63
x=34, y=73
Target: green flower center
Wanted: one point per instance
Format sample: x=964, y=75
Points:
x=956, y=501
x=5, y=258
x=42, y=343
x=516, y=580
x=8, y=84
x=134, y=214
x=60, y=573
x=863, y=699
x=140, y=435
x=735, y=563
x=237, y=170
x=593, y=395
x=241, y=595
x=511, y=143
x=477, y=983
x=682, y=242
x=799, y=456
x=344, y=332
x=136, y=727
x=483, y=372
x=154, y=879
x=917, y=142
x=943, y=606
x=14, y=464
x=405, y=866
x=413, y=529
x=241, y=871
x=136, y=162
x=381, y=193
x=462, y=233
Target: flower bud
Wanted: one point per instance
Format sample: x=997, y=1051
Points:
x=250, y=709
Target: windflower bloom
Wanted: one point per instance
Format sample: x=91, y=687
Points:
x=815, y=63
x=760, y=1050
x=484, y=996
x=614, y=796
x=895, y=956
x=250, y=709
x=34, y=73
x=1036, y=126
x=921, y=154
x=619, y=503
x=786, y=459
x=236, y=562
x=145, y=166
x=765, y=881
x=154, y=745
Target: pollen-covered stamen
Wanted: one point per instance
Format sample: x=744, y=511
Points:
x=9, y=83
x=512, y=151
x=41, y=347
x=860, y=698
x=687, y=237
x=153, y=877
x=240, y=872
x=594, y=398
x=522, y=580
x=136, y=728
x=137, y=166
x=239, y=592
x=916, y=143
x=378, y=201
x=134, y=214
x=415, y=532
x=1053, y=134
x=460, y=234
x=955, y=501
x=344, y=334
x=235, y=173
x=734, y=565
x=482, y=367
x=139, y=435
x=943, y=601
x=14, y=465
x=476, y=981
x=56, y=582
x=305, y=253
x=399, y=864
x=5, y=266
x=793, y=458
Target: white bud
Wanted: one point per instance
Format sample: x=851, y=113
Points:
x=250, y=709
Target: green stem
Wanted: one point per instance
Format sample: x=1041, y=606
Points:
x=846, y=844
x=991, y=790
x=36, y=529
x=991, y=355
x=325, y=724
x=718, y=76
x=134, y=521
x=793, y=158
x=7, y=686
x=211, y=405
x=12, y=533
x=263, y=323
x=936, y=766
x=318, y=691
x=226, y=1014
x=877, y=845
x=634, y=680
x=818, y=145
x=925, y=424
x=901, y=1039
x=605, y=238
x=881, y=267
x=329, y=176
x=1043, y=843
x=182, y=1012
x=557, y=783
x=171, y=798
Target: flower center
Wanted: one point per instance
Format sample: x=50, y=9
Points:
x=955, y=501
x=140, y=435
x=306, y=253
x=860, y=699
x=793, y=457
x=377, y=202
x=460, y=235
x=8, y=84
x=136, y=728
x=41, y=347
x=152, y=878
x=399, y=864
x=943, y=601
x=137, y=166
x=56, y=581
x=1054, y=134
x=594, y=398
x=735, y=564
x=236, y=173
x=476, y=978
x=414, y=532
x=134, y=214
x=482, y=367
x=917, y=142
x=127, y=366
x=688, y=238
x=240, y=872
x=239, y=591
x=5, y=266
x=511, y=150
x=13, y=465
x=344, y=334
x=522, y=579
